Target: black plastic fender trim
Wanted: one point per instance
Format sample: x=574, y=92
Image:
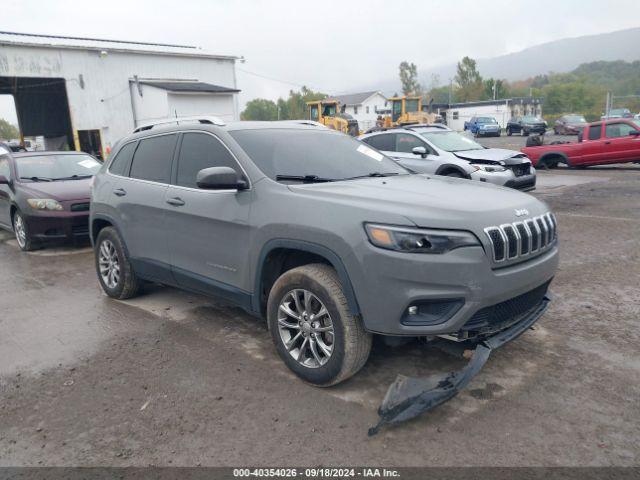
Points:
x=409, y=397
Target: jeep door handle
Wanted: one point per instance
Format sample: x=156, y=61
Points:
x=176, y=201
x=607, y=143
x=119, y=192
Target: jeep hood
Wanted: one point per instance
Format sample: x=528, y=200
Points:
x=426, y=201
x=493, y=155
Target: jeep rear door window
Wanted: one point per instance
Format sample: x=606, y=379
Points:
x=318, y=152
x=385, y=142
x=198, y=151
x=594, y=132
x=152, y=160
x=121, y=164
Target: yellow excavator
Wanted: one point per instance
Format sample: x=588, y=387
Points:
x=327, y=112
x=406, y=111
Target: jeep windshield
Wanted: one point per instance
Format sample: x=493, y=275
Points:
x=451, y=141
x=314, y=155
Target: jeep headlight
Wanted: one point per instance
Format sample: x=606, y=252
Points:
x=418, y=240
x=488, y=168
x=44, y=204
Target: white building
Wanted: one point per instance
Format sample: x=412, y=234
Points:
x=502, y=110
x=87, y=93
x=364, y=107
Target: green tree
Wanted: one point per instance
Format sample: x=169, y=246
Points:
x=260, y=109
x=500, y=87
x=296, y=104
x=7, y=130
x=439, y=94
x=409, y=79
x=469, y=81
x=294, y=107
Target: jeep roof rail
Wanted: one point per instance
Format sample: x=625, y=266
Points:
x=205, y=119
x=304, y=122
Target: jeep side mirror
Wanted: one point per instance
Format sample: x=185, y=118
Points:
x=220, y=178
x=4, y=180
x=419, y=151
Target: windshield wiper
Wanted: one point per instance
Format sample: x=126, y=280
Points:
x=373, y=174
x=73, y=177
x=36, y=179
x=305, y=178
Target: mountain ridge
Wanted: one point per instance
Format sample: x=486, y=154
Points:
x=556, y=56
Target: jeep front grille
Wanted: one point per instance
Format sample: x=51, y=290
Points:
x=521, y=239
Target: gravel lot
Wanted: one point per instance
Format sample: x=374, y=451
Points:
x=172, y=378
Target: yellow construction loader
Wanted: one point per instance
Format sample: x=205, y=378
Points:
x=407, y=110
x=327, y=112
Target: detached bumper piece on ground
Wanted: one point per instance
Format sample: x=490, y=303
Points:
x=409, y=397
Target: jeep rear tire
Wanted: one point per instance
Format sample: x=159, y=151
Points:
x=312, y=328
x=113, y=267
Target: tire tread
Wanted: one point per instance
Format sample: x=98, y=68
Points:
x=357, y=341
x=131, y=283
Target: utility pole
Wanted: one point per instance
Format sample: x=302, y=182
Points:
x=450, y=89
x=493, y=87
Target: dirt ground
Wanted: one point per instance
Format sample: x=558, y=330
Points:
x=172, y=378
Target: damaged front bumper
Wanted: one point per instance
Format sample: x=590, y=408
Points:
x=408, y=397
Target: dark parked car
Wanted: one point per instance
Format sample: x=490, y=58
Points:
x=569, y=124
x=44, y=196
x=526, y=125
x=617, y=113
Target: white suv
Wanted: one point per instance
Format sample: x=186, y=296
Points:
x=438, y=150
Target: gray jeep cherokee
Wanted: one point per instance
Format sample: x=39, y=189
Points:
x=324, y=236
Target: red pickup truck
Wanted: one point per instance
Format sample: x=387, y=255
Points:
x=610, y=141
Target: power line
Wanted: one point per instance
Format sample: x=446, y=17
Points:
x=314, y=87
x=271, y=78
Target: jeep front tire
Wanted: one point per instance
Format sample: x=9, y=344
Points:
x=312, y=328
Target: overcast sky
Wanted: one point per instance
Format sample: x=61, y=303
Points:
x=333, y=46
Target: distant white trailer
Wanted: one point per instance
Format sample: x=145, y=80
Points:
x=502, y=110
x=90, y=92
